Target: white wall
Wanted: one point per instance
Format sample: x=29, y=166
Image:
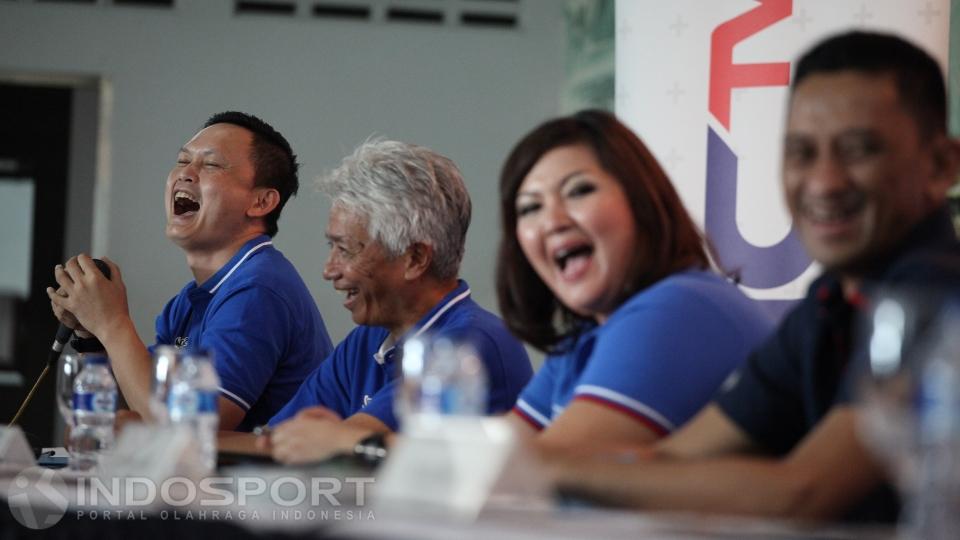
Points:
x=468, y=93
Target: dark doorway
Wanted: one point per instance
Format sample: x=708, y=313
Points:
x=35, y=144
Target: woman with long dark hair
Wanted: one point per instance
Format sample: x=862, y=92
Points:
x=601, y=267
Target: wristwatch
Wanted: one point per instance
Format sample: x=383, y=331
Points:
x=372, y=449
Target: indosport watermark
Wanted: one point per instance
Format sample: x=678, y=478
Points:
x=38, y=499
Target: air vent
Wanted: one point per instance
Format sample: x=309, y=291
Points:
x=474, y=14
x=488, y=20
x=138, y=3
x=415, y=15
x=250, y=7
x=145, y=3
x=340, y=11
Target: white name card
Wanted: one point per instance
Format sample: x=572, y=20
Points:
x=152, y=451
x=15, y=452
x=453, y=465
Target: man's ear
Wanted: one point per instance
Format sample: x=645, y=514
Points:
x=419, y=257
x=267, y=199
x=945, y=155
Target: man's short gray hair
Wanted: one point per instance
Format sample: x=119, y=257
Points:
x=407, y=194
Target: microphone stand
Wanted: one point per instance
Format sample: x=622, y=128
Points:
x=26, y=400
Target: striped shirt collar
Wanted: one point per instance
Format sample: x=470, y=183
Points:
x=462, y=292
x=252, y=246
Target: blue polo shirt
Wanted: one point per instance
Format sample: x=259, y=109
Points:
x=260, y=322
x=658, y=358
x=360, y=377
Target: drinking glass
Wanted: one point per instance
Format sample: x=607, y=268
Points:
x=68, y=367
x=440, y=377
x=910, y=405
x=165, y=361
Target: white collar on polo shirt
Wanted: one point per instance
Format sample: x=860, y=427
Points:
x=381, y=355
x=245, y=256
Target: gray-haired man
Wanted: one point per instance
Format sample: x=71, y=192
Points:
x=396, y=232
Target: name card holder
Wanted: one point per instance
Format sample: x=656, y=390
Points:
x=155, y=452
x=452, y=466
x=15, y=452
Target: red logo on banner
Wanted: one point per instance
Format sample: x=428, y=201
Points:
x=725, y=75
x=758, y=267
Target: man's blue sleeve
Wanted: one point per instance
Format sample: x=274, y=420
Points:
x=163, y=327
x=321, y=387
x=764, y=397
x=381, y=405
x=508, y=367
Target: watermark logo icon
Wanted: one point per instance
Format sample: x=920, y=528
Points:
x=37, y=498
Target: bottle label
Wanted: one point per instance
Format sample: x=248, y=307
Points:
x=939, y=402
x=207, y=402
x=95, y=402
x=182, y=404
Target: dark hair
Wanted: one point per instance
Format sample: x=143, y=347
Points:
x=917, y=75
x=275, y=165
x=671, y=240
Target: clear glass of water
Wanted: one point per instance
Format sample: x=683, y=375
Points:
x=440, y=377
x=68, y=367
x=910, y=408
x=166, y=358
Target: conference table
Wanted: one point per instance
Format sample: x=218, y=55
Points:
x=345, y=513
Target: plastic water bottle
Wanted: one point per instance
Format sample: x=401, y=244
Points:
x=441, y=378
x=409, y=387
x=192, y=403
x=454, y=381
x=94, y=410
x=166, y=358
x=937, y=496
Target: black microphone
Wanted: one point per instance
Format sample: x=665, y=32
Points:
x=64, y=332
x=63, y=336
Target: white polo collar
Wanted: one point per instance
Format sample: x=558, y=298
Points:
x=389, y=343
x=238, y=263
